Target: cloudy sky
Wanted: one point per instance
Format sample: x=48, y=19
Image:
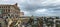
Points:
x=37, y=7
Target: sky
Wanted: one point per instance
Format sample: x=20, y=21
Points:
x=37, y=7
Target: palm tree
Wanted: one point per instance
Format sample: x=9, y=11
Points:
x=40, y=22
x=50, y=23
x=30, y=21
x=57, y=23
x=47, y=22
x=57, y=17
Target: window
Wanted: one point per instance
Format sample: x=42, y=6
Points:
x=8, y=10
x=4, y=6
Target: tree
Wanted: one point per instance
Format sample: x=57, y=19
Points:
x=30, y=21
x=50, y=22
x=40, y=22
x=57, y=17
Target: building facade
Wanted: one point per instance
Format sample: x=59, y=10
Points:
x=10, y=10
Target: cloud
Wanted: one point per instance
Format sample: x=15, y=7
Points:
x=42, y=7
x=5, y=0
x=41, y=10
